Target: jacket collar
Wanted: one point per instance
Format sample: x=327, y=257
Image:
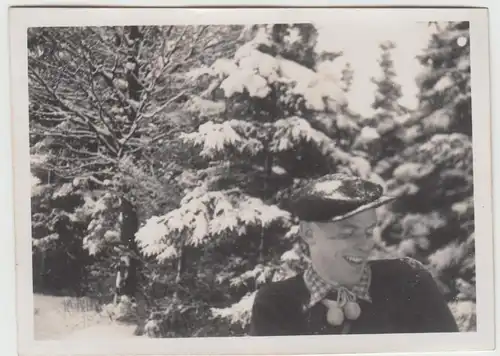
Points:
x=319, y=289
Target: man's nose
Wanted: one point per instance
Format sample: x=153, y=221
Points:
x=365, y=245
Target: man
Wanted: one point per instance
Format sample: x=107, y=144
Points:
x=342, y=291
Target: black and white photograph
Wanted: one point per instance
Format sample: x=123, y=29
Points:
x=316, y=177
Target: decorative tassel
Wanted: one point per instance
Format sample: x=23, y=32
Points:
x=352, y=310
x=344, y=308
x=335, y=315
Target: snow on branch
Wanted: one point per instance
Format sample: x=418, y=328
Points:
x=152, y=240
x=205, y=107
x=465, y=314
x=260, y=274
x=295, y=254
x=45, y=243
x=254, y=72
x=292, y=131
x=38, y=159
x=217, y=138
x=411, y=171
x=452, y=255
x=104, y=225
x=36, y=186
x=447, y=147
x=63, y=191
x=293, y=232
x=204, y=216
x=293, y=260
x=421, y=225
x=238, y=313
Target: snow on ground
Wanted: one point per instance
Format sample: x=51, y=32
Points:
x=59, y=318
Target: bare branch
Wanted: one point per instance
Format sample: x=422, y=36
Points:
x=135, y=125
x=95, y=180
x=110, y=82
x=63, y=135
x=98, y=70
x=198, y=35
x=71, y=172
x=102, y=110
x=91, y=154
x=175, y=48
x=163, y=106
x=211, y=44
x=165, y=61
x=84, y=117
x=115, y=66
x=169, y=31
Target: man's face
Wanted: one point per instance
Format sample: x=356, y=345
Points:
x=339, y=250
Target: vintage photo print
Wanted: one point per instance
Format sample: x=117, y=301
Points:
x=252, y=181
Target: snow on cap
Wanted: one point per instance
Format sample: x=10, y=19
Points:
x=335, y=197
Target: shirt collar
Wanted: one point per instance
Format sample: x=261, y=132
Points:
x=319, y=288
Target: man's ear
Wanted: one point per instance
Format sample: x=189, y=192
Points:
x=305, y=231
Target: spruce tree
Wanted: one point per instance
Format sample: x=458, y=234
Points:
x=278, y=118
x=433, y=220
x=101, y=100
x=378, y=133
x=347, y=77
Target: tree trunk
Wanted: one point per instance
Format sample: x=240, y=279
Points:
x=129, y=227
x=268, y=169
x=181, y=264
x=134, y=87
x=181, y=267
x=268, y=165
x=261, y=246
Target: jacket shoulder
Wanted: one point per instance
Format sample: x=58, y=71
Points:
x=399, y=267
x=287, y=289
x=275, y=310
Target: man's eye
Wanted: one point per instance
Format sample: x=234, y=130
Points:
x=347, y=230
x=370, y=230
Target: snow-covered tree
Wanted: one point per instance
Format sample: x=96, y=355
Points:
x=272, y=114
x=378, y=133
x=445, y=84
x=347, y=77
x=101, y=101
x=434, y=219
x=65, y=218
x=388, y=91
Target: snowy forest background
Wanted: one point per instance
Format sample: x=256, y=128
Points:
x=172, y=147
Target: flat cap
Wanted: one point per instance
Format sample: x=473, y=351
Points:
x=335, y=197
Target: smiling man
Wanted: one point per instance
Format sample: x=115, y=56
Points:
x=342, y=291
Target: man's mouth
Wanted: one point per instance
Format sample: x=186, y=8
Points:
x=354, y=260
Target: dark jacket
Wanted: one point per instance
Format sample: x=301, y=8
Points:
x=405, y=299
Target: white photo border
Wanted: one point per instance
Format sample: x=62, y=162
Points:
x=481, y=340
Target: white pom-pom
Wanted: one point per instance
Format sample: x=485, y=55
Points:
x=352, y=310
x=335, y=316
